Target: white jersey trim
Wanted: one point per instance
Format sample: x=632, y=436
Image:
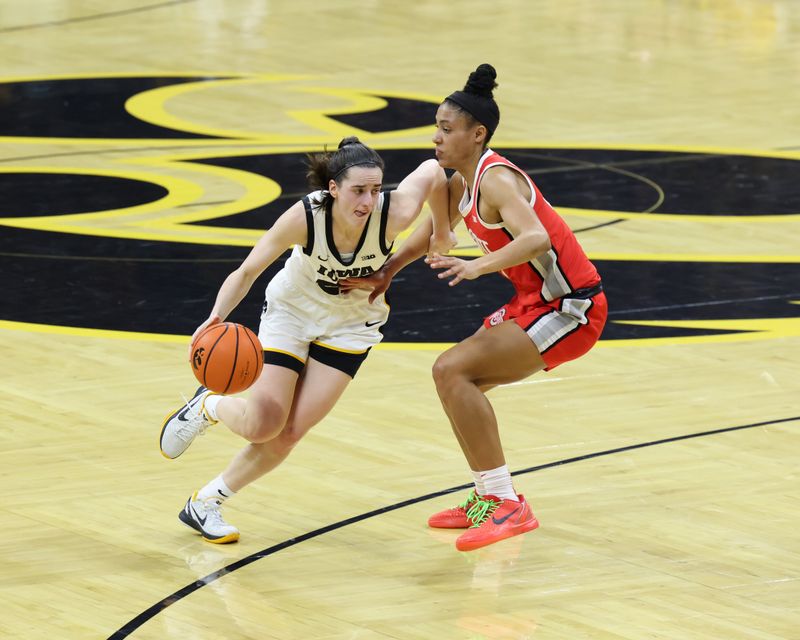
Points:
x=465, y=206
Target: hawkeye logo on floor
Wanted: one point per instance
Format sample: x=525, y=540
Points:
x=152, y=206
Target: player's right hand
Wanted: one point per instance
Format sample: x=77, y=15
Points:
x=212, y=319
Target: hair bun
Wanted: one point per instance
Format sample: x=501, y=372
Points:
x=349, y=140
x=482, y=81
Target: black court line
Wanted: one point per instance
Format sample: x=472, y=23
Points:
x=138, y=621
x=96, y=16
x=599, y=226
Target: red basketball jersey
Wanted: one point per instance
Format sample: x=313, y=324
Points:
x=555, y=274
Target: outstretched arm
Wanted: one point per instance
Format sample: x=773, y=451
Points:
x=427, y=182
x=416, y=245
x=288, y=230
x=501, y=196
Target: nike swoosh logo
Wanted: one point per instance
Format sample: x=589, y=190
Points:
x=196, y=516
x=321, y=258
x=186, y=409
x=505, y=517
x=372, y=324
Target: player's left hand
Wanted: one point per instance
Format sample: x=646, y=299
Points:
x=456, y=267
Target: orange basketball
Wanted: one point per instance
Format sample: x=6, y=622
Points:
x=227, y=358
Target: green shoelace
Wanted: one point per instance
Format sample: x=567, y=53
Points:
x=471, y=497
x=479, y=512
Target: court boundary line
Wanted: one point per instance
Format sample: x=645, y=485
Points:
x=152, y=611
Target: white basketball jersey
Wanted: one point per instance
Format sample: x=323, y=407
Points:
x=318, y=267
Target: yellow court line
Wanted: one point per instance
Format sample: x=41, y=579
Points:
x=137, y=222
x=759, y=152
x=179, y=192
x=149, y=106
x=361, y=101
x=258, y=190
x=473, y=252
x=694, y=257
x=714, y=218
x=751, y=330
x=152, y=103
x=30, y=327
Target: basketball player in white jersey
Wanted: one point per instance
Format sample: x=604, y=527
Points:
x=315, y=336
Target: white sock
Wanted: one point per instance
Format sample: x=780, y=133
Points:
x=478, y=480
x=210, y=405
x=497, y=482
x=216, y=489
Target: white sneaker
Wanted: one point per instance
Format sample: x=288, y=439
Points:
x=183, y=426
x=204, y=517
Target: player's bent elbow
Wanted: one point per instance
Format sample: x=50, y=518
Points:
x=540, y=244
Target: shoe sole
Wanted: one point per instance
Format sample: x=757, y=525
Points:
x=164, y=428
x=451, y=522
x=448, y=525
x=508, y=532
x=231, y=537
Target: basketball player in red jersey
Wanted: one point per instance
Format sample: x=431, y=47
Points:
x=557, y=313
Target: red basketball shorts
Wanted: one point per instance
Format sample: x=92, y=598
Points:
x=562, y=330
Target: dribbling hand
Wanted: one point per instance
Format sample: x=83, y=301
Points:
x=214, y=319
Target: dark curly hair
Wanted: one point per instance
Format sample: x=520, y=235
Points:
x=327, y=166
x=476, y=101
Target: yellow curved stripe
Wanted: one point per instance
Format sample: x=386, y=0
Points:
x=720, y=218
x=164, y=219
x=129, y=142
x=150, y=106
x=360, y=101
x=179, y=192
x=750, y=329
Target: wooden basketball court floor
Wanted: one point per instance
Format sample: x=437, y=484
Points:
x=145, y=145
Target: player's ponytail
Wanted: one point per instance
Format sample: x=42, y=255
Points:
x=476, y=100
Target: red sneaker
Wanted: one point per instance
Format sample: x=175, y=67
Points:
x=496, y=519
x=455, y=518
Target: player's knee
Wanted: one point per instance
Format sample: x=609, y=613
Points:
x=264, y=425
x=444, y=372
x=289, y=437
x=261, y=434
